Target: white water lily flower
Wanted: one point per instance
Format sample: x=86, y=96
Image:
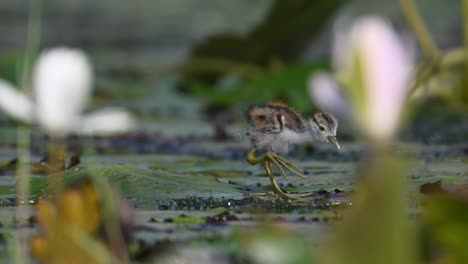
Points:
x=374, y=64
x=14, y=103
x=62, y=83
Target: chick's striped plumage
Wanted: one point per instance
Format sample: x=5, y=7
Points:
x=275, y=115
x=267, y=122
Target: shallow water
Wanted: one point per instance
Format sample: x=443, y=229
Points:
x=190, y=189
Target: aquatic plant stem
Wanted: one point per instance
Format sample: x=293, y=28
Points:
x=376, y=229
x=436, y=59
x=464, y=90
x=415, y=21
x=452, y=57
x=24, y=135
x=110, y=209
x=56, y=158
x=22, y=193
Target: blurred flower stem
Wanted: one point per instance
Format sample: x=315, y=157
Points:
x=24, y=135
x=415, y=21
x=376, y=229
x=56, y=158
x=112, y=214
x=464, y=89
x=22, y=193
x=436, y=61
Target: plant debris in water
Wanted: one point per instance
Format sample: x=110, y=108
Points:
x=320, y=200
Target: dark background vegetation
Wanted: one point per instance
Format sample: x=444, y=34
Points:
x=209, y=60
x=188, y=70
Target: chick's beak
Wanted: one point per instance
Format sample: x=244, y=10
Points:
x=334, y=141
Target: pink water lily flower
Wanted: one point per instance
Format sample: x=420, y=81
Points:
x=327, y=94
x=62, y=82
x=373, y=64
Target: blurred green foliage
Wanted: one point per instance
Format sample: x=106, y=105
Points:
x=286, y=84
x=447, y=217
x=282, y=35
x=11, y=66
x=257, y=58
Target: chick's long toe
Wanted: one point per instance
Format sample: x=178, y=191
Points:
x=270, y=158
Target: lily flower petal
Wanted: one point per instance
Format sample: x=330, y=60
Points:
x=326, y=93
x=62, y=83
x=377, y=64
x=15, y=103
x=105, y=121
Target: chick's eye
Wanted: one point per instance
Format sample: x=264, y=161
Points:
x=322, y=128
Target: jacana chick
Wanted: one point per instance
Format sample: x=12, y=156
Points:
x=274, y=127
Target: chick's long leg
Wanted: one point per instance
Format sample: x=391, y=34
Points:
x=267, y=160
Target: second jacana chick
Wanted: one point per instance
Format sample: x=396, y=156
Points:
x=274, y=127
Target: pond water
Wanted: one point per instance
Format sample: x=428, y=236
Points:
x=196, y=189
